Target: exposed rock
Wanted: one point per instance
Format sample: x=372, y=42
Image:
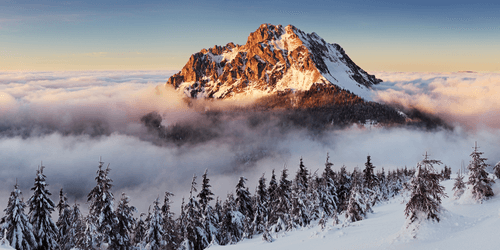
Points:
x=274, y=59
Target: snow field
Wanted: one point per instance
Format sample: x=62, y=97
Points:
x=462, y=226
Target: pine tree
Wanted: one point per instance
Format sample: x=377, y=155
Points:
x=64, y=221
x=426, y=193
x=478, y=177
x=154, y=236
x=459, y=186
x=16, y=223
x=41, y=207
x=101, y=210
x=120, y=234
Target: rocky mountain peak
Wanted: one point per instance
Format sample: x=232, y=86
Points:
x=274, y=59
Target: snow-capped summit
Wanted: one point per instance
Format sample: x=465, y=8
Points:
x=274, y=59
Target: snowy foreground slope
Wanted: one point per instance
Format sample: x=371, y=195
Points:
x=463, y=225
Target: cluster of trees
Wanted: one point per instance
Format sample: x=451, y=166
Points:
x=278, y=205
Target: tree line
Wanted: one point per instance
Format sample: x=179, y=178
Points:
x=281, y=204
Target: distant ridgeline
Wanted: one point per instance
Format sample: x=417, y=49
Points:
x=279, y=204
x=293, y=72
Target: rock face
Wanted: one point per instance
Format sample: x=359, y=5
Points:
x=273, y=60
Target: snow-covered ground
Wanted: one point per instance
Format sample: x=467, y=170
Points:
x=463, y=226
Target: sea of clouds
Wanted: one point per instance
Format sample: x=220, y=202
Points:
x=68, y=120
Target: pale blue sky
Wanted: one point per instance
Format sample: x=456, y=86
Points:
x=378, y=35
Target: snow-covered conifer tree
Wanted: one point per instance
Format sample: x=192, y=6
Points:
x=195, y=237
x=121, y=232
x=244, y=204
x=260, y=209
x=280, y=218
x=425, y=193
x=371, y=183
x=41, y=208
x=140, y=231
x=101, y=210
x=459, y=186
x=344, y=187
x=64, y=221
x=171, y=235
x=209, y=220
x=154, y=234
x=19, y=230
x=76, y=226
x=205, y=195
x=87, y=238
x=300, y=203
x=232, y=222
x=328, y=200
x=478, y=177
x=356, y=205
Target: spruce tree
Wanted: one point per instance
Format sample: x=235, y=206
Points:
x=120, y=234
x=169, y=227
x=371, y=183
x=459, y=186
x=356, y=206
x=478, y=177
x=426, y=193
x=205, y=195
x=280, y=199
x=19, y=230
x=300, y=201
x=140, y=232
x=328, y=198
x=195, y=237
x=76, y=226
x=209, y=220
x=243, y=199
x=101, y=210
x=64, y=221
x=232, y=222
x=41, y=208
x=154, y=236
x=344, y=187
x=260, y=207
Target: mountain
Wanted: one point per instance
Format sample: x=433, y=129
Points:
x=301, y=78
x=274, y=59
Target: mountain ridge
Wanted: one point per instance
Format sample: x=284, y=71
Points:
x=274, y=59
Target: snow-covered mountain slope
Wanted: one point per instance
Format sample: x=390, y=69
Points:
x=274, y=59
x=463, y=226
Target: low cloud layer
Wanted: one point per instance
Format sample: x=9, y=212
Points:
x=70, y=119
x=465, y=99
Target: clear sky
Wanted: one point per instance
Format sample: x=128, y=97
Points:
x=156, y=35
